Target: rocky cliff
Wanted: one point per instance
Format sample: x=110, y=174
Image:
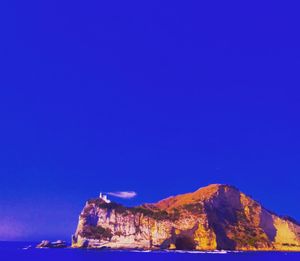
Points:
x=214, y=217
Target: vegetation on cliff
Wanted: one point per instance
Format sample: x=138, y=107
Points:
x=96, y=232
x=120, y=209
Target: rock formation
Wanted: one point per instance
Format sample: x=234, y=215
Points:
x=213, y=217
x=48, y=244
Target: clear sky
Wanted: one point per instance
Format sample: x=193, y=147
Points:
x=156, y=97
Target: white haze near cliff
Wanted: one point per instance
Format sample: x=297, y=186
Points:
x=123, y=194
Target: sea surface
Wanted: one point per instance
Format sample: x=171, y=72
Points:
x=12, y=251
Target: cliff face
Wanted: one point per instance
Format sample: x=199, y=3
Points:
x=214, y=217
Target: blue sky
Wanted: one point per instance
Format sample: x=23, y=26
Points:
x=156, y=98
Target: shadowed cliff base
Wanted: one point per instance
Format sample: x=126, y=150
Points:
x=185, y=243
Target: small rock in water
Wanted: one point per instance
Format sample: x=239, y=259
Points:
x=27, y=247
x=48, y=244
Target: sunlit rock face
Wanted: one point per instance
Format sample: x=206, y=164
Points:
x=214, y=217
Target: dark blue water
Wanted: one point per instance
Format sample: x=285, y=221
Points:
x=14, y=251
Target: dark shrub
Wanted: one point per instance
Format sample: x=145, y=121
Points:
x=144, y=211
x=97, y=232
x=196, y=208
x=158, y=215
x=118, y=233
x=175, y=215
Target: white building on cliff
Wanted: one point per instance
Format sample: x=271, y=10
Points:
x=104, y=198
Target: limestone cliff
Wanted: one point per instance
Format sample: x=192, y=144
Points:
x=214, y=217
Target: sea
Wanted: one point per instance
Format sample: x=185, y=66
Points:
x=25, y=251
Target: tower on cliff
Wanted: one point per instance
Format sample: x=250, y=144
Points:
x=104, y=198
